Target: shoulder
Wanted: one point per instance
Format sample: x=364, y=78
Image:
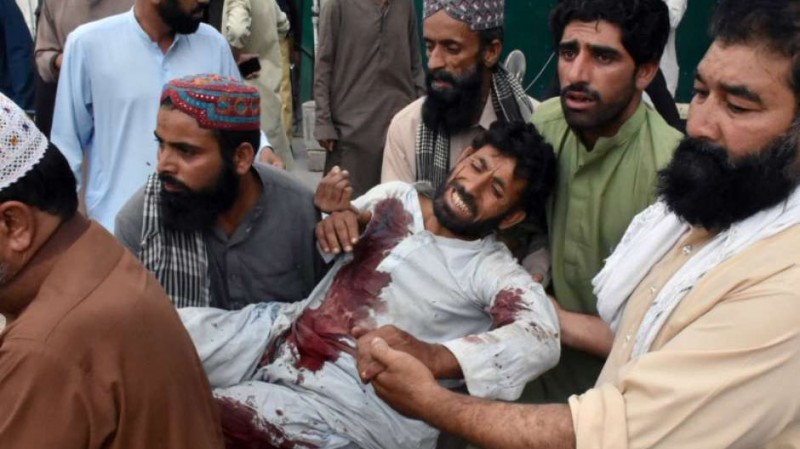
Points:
x=549, y=119
x=101, y=29
x=409, y=115
x=284, y=188
x=664, y=137
x=207, y=34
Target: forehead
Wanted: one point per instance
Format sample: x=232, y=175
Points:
x=761, y=71
x=504, y=165
x=598, y=32
x=173, y=123
x=441, y=27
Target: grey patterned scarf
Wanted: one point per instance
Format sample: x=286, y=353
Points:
x=433, y=145
x=177, y=259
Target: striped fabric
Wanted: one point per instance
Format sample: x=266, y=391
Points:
x=177, y=259
x=433, y=145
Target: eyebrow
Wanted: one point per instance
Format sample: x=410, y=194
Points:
x=604, y=50
x=181, y=145
x=737, y=90
x=568, y=45
x=496, y=179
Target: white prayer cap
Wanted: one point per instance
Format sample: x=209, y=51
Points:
x=22, y=145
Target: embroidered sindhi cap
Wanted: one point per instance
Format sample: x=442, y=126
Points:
x=216, y=102
x=22, y=145
x=478, y=14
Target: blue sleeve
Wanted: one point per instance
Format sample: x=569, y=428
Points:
x=19, y=51
x=73, y=120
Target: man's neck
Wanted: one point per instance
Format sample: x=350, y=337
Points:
x=250, y=188
x=155, y=28
x=589, y=137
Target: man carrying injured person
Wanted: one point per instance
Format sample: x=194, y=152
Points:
x=422, y=271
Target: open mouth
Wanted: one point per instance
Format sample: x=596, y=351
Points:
x=460, y=206
x=579, y=100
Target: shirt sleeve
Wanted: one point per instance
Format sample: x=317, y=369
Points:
x=323, y=72
x=524, y=340
x=238, y=23
x=48, y=46
x=18, y=54
x=129, y=221
x=44, y=401
x=397, y=166
x=73, y=121
x=722, y=381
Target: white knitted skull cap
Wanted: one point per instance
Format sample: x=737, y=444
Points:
x=22, y=145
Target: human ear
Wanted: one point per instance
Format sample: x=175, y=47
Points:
x=243, y=158
x=645, y=74
x=513, y=219
x=18, y=225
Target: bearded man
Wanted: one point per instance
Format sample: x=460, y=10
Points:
x=94, y=356
x=610, y=145
x=467, y=90
x=428, y=273
x=215, y=228
x=110, y=80
x=702, y=290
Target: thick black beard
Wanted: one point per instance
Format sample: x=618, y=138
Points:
x=189, y=211
x=455, y=224
x=177, y=19
x=455, y=109
x=705, y=188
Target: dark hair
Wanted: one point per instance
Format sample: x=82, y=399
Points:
x=536, y=162
x=228, y=141
x=644, y=23
x=774, y=24
x=487, y=36
x=49, y=186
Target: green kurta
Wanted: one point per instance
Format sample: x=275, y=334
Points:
x=597, y=195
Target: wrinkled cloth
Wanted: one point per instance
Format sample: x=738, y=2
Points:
x=108, y=100
x=293, y=364
x=368, y=68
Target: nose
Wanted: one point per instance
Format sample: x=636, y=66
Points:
x=475, y=185
x=166, y=161
x=702, y=122
x=435, y=59
x=577, y=70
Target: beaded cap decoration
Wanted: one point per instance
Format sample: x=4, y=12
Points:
x=216, y=102
x=22, y=145
x=478, y=14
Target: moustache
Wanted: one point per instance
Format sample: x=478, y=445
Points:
x=173, y=183
x=581, y=88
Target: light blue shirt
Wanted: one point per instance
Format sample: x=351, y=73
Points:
x=108, y=101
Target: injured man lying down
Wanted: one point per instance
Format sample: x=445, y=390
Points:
x=423, y=271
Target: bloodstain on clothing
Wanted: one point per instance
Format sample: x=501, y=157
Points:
x=507, y=305
x=321, y=334
x=244, y=429
x=473, y=339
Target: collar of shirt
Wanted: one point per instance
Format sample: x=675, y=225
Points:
x=627, y=131
x=146, y=38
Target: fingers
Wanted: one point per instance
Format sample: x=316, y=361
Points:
x=334, y=191
x=537, y=277
x=337, y=232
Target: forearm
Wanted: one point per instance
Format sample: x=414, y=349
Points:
x=587, y=333
x=444, y=364
x=492, y=424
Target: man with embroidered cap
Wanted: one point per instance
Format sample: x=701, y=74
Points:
x=702, y=290
x=108, y=89
x=467, y=90
x=93, y=355
x=368, y=68
x=216, y=228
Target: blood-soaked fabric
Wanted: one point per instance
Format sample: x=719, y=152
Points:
x=293, y=364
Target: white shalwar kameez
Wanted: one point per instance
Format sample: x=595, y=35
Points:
x=470, y=296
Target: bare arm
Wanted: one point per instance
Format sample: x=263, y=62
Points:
x=587, y=333
x=407, y=385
